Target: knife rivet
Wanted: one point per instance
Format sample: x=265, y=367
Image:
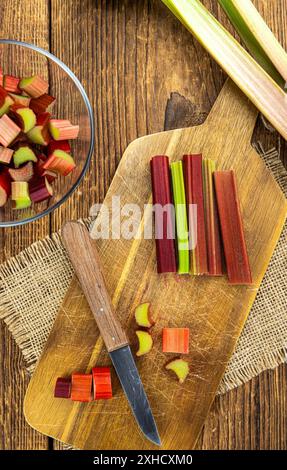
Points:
x=101, y=309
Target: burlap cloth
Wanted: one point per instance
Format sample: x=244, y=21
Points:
x=33, y=285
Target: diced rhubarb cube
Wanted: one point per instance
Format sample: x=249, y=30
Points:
x=60, y=162
x=40, y=189
x=59, y=145
x=24, y=154
x=5, y=155
x=62, y=129
x=5, y=102
x=5, y=188
x=20, y=195
x=11, y=83
x=8, y=130
x=175, y=340
x=41, y=104
x=25, y=173
x=40, y=133
x=35, y=86
x=20, y=99
x=24, y=117
x=63, y=388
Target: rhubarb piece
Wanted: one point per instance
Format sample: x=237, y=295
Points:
x=8, y=130
x=81, y=387
x=5, y=101
x=23, y=154
x=34, y=86
x=5, y=188
x=258, y=38
x=163, y=215
x=145, y=342
x=40, y=133
x=62, y=129
x=142, y=316
x=5, y=155
x=20, y=99
x=192, y=166
x=180, y=217
x=20, y=195
x=63, y=388
x=247, y=74
x=237, y=262
x=11, y=83
x=180, y=367
x=175, y=340
x=50, y=175
x=24, y=117
x=102, y=383
x=40, y=189
x=60, y=162
x=41, y=104
x=25, y=173
x=214, y=246
x=59, y=145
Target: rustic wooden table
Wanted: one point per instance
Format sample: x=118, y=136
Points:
x=143, y=72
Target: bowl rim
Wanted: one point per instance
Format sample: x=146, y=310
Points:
x=91, y=122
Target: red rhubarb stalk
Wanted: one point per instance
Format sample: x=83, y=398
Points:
x=35, y=86
x=62, y=129
x=175, y=340
x=192, y=167
x=41, y=104
x=11, y=84
x=163, y=215
x=63, y=388
x=5, y=155
x=8, y=130
x=236, y=256
x=102, y=383
x=59, y=145
x=214, y=246
x=40, y=189
x=81, y=387
x=5, y=188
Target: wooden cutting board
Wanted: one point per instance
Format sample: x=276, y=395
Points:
x=214, y=311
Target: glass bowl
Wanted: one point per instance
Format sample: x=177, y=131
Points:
x=23, y=60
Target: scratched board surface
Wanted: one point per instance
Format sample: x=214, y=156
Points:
x=214, y=311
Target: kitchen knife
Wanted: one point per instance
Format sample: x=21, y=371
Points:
x=85, y=259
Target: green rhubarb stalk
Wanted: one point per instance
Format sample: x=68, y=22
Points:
x=180, y=217
x=253, y=80
x=258, y=38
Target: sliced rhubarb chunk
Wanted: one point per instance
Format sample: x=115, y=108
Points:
x=81, y=387
x=142, y=316
x=23, y=154
x=20, y=195
x=236, y=256
x=24, y=117
x=8, y=101
x=40, y=133
x=20, y=99
x=62, y=129
x=5, y=155
x=102, y=383
x=25, y=173
x=40, y=189
x=41, y=104
x=214, y=245
x=175, y=340
x=59, y=145
x=192, y=167
x=8, y=130
x=5, y=188
x=182, y=235
x=163, y=215
x=63, y=388
x=145, y=342
x=60, y=162
x=180, y=367
x=35, y=86
x=11, y=83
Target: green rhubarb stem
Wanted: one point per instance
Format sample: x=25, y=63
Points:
x=253, y=80
x=258, y=38
x=180, y=217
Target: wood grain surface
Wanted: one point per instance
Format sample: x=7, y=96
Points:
x=196, y=302
x=140, y=80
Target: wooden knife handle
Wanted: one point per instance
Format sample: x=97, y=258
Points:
x=85, y=259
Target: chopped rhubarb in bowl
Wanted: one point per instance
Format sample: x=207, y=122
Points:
x=46, y=132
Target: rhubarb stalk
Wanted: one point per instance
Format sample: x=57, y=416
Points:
x=260, y=88
x=214, y=247
x=175, y=340
x=237, y=262
x=163, y=215
x=180, y=217
x=81, y=387
x=192, y=165
x=102, y=383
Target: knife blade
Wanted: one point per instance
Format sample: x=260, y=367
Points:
x=85, y=259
